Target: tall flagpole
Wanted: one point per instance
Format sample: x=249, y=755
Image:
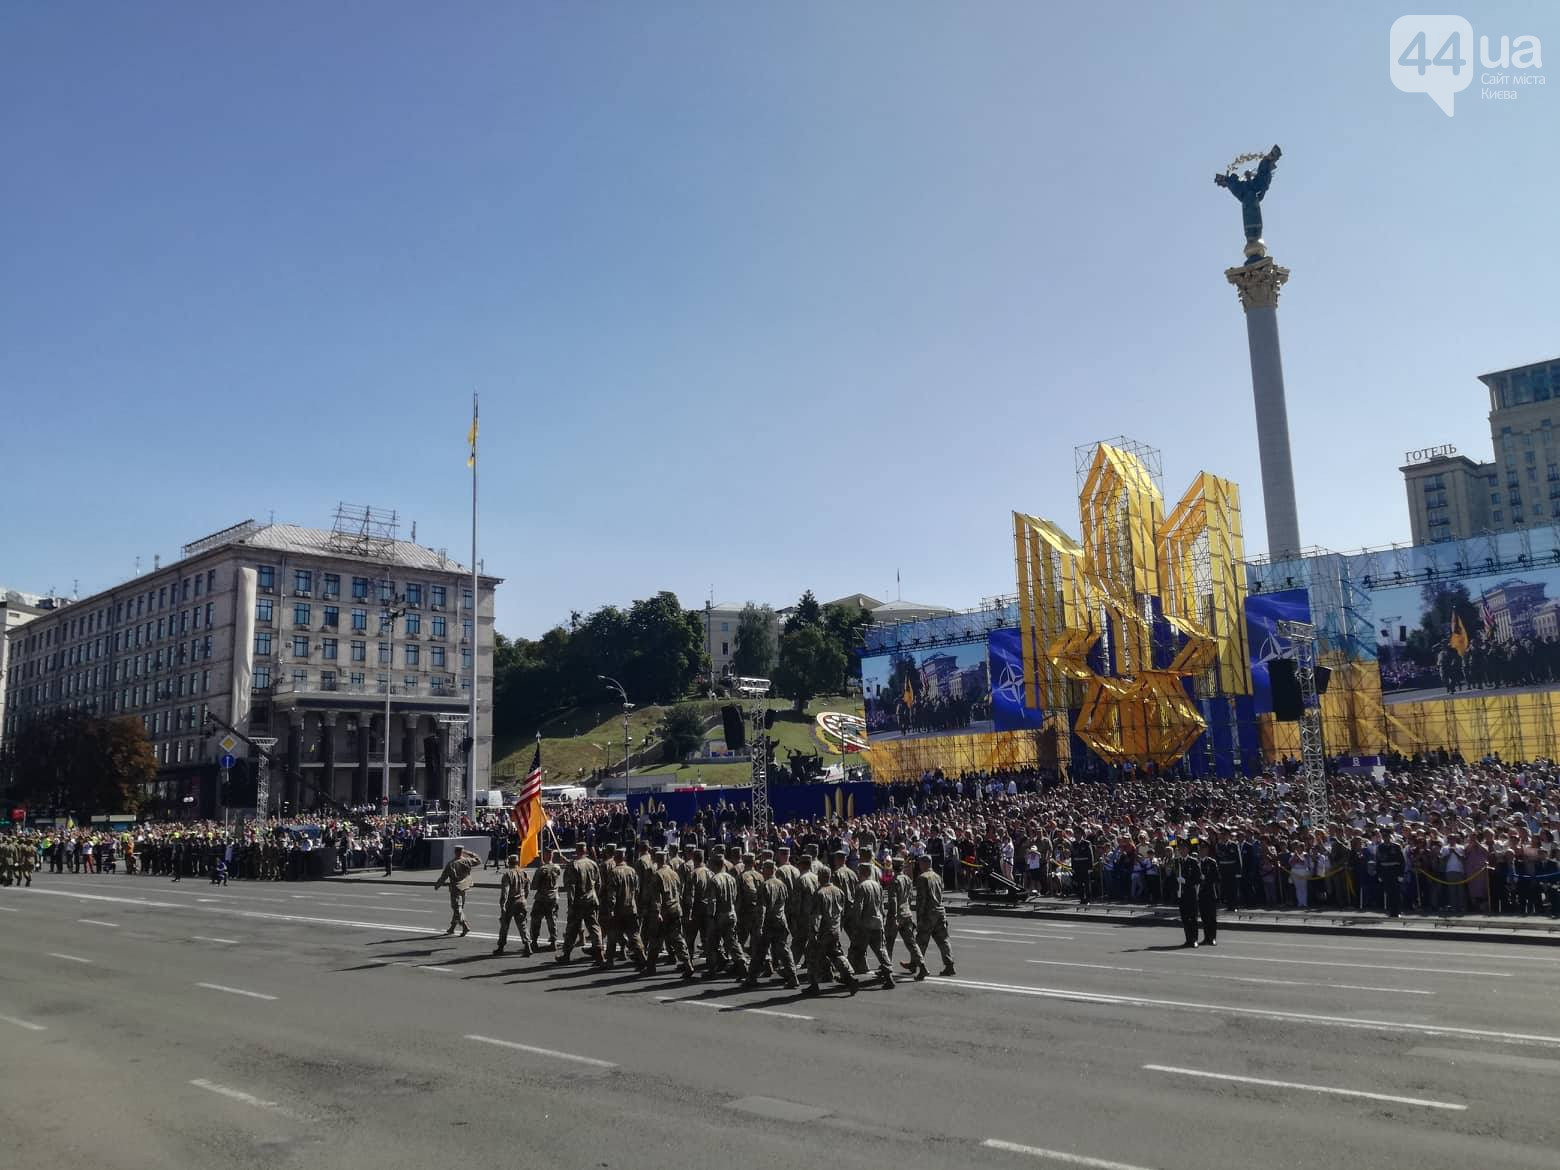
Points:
x=476, y=626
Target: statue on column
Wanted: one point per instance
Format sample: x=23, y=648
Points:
x=1250, y=188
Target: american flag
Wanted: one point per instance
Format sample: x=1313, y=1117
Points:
x=527, y=814
x=1489, y=615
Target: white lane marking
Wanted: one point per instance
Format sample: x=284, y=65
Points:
x=1262, y=1013
x=440, y=970
x=97, y=922
x=1363, y=966
x=1018, y=942
x=1330, y=1089
x=69, y=958
x=10, y=909
x=22, y=1024
x=733, y=1007
x=590, y=1060
x=234, y=990
x=1495, y=1059
x=1494, y=953
x=270, y=916
x=1011, y=936
x=1059, y=1156
x=1309, y=983
x=240, y=1095
x=1091, y=966
x=227, y=942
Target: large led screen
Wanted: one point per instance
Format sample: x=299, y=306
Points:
x=1263, y=613
x=914, y=693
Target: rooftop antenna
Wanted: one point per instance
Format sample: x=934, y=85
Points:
x=156, y=561
x=138, y=564
x=414, y=532
x=75, y=588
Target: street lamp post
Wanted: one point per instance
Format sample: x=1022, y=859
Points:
x=627, y=707
x=392, y=608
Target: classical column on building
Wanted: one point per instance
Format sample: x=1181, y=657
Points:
x=409, y=753
x=327, y=756
x=1258, y=284
x=360, y=777
x=295, y=726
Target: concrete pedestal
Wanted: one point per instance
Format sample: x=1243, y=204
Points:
x=441, y=850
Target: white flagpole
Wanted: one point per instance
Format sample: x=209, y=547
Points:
x=476, y=599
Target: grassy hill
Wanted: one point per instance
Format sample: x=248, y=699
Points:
x=572, y=741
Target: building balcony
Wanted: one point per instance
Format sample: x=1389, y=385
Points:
x=285, y=692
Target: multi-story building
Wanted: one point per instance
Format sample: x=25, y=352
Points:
x=1452, y=497
x=17, y=609
x=297, y=634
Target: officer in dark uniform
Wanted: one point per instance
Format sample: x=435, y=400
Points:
x=1082, y=867
x=1188, y=883
x=1208, y=895
x=1390, y=864
x=1228, y=854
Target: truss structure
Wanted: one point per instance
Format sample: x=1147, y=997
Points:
x=1313, y=757
x=364, y=531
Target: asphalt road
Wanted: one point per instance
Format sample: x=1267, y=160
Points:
x=149, y=1023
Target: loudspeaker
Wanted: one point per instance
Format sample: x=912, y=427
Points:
x=1287, y=707
x=736, y=729
x=1323, y=677
x=433, y=755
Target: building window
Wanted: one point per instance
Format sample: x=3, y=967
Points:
x=328, y=647
x=414, y=623
x=384, y=683
x=263, y=609
x=300, y=647
x=360, y=588
x=386, y=591
x=413, y=594
x=356, y=681
x=359, y=652
x=209, y=612
x=211, y=580
x=465, y=630
x=303, y=582
x=413, y=654
x=384, y=654
x=300, y=679
x=725, y=627
x=332, y=616
x=465, y=599
x=360, y=620
x=436, y=596
x=199, y=581
x=327, y=680
x=436, y=657
x=263, y=643
x=436, y=626
x=300, y=614
x=465, y=659
x=724, y=648
x=410, y=683
x=331, y=584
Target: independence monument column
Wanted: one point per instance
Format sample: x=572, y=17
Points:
x=1257, y=281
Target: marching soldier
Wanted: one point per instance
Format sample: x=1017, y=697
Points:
x=773, y=937
x=663, y=922
x=544, y=900
x=799, y=908
x=828, y=907
x=582, y=880
x=721, y=944
x=513, y=886
x=696, y=889
x=1188, y=883
x=1208, y=895
x=460, y=876
x=845, y=881
x=644, y=866
x=930, y=917
x=786, y=872
x=750, y=914
x=900, y=915
x=620, y=909
x=869, y=925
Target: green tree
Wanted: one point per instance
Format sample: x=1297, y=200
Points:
x=666, y=650
x=807, y=613
x=682, y=730
x=754, y=654
x=82, y=763
x=811, y=663
x=847, y=625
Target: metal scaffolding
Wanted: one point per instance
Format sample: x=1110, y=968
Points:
x=1313, y=759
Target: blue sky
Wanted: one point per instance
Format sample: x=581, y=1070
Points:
x=757, y=296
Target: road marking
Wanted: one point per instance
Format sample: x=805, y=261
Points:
x=1308, y=983
x=733, y=1007
x=1011, y=933
x=240, y=1095
x=1059, y=1156
x=1261, y=1013
x=70, y=958
x=23, y=1024
x=1018, y=942
x=1336, y=1092
x=10, y=909
x=1364, y=966
x=1496, y=1059
x=97, y=922
x=1392, y=948
x=234, y=990
x=1091, y=966
x=590, y=1060
x=440, y=970
x=228, y=942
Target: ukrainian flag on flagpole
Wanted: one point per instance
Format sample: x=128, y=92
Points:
x=471, y=436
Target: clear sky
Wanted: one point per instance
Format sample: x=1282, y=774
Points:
x=757, y=296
